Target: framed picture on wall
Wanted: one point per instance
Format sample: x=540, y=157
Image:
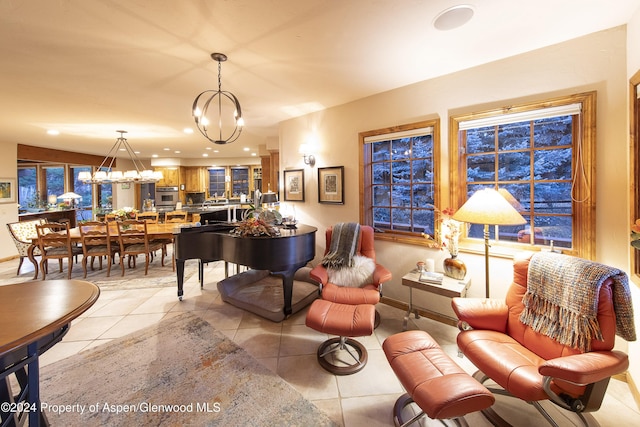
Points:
x=294, y=185
x=331, y=185
x=7, y=190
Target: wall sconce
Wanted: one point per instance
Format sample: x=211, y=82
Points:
x=309, y=159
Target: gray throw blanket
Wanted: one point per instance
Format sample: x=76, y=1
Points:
x=344, y=241
x=561, y=301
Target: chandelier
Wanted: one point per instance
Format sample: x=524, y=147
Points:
x=106, y=175
x=232, y=113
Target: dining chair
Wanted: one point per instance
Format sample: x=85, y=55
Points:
x=175, y=216
x=96, y=242
x=134, y=240
x=23, y=233
x=54, y=242
x=150, y=217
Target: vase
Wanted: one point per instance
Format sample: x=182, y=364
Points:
x=454, y=267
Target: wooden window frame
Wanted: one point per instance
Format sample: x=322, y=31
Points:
x=366, y=214
x=583, y=232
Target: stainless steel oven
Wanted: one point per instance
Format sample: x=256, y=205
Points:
x=166, y=197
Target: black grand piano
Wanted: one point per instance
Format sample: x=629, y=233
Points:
x=282, y=255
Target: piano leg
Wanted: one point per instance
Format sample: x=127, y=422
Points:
x=180, y=277
x=287, y=286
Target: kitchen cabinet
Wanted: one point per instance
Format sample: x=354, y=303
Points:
x=195, y=178
x=170, y=177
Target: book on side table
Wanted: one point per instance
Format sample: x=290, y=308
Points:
x=431, y=277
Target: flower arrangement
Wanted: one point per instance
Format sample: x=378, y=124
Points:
x=125, y=213
x=635, y=234
x=450, y=231
x=254, y=227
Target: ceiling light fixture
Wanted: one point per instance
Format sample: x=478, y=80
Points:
x=453, y=17
x=203, y=116
x=106, y=175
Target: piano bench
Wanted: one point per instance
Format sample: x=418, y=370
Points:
x=261, y=293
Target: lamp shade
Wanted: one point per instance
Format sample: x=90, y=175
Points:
x=70, y=195
x=487, y=206
x=269, y=197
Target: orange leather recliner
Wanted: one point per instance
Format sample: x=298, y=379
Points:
x=367, y=294
x=532, y=366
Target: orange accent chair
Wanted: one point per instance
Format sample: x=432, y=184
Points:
x=533, y=366
x=367, y=294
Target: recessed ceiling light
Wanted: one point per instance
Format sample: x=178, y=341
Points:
x=177, y=152
x=245, y=149
x=167, y=149
x=53, y=132
x=453, y=17
x=154, y=155
x=254, y=154
x=208, y=148
x=136, y=152
x=187, y=130
x=205, y=155
x=216, y=151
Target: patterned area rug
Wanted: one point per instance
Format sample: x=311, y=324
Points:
x=181, y=372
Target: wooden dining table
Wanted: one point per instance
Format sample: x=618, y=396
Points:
x=155, y=231
x=33, y=317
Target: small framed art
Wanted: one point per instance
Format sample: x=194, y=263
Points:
x=331, y=185
x=7, y=190
x=294, y=185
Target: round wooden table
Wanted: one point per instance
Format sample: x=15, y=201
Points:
x=33, y=317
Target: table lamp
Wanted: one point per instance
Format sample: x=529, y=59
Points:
x=70, y=198
x=488, y=207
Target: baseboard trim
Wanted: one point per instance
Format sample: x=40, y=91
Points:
x=421, y=312
x=9, y=258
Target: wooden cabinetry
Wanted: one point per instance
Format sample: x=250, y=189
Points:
x=170, y=177
x=195, y=179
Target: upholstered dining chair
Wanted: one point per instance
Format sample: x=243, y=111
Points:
x=96, y=242
x=54, y=242
x=23, y=233
x=134, y=240
x=368, y=292
x=552, y=337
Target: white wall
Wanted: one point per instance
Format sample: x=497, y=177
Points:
x=8, y=211
x=596, y=62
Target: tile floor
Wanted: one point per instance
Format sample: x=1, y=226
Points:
x=289, y=349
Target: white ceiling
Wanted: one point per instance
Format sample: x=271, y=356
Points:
x=90, y=67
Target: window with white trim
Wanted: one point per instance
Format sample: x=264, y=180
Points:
x=542, y=155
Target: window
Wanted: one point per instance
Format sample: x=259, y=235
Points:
x=28, y=196
x=216, y=183
x=53, y=181
x=400, y=180
x=239, y=181
x=541, y=154
x=83, y=205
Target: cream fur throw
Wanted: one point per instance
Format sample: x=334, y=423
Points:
x=361, y=273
